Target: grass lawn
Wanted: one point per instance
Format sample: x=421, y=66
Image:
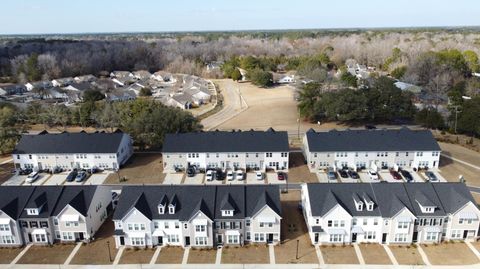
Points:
x=407, y=255
x=54, y=254
x=450, y=254
x=135, y=256
x=146, y=168
x=8, y=254
x=339, y=254
x=374, y=254
x=293, y=229
x=96, y=252
x=171, y=255
x=256, y=254
x=202, y=255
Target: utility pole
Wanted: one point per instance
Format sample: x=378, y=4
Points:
x=109, y=253
x=456, y=117
x=296, y=255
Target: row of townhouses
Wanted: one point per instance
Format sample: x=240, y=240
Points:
x=400, y=213
x=254, y=150
x=73, y=150
x=371, y=149
x=47, y=214
x=200, y=216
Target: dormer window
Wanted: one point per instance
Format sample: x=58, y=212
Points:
x=360, y=206
x=428, y=209
x=370, y=206
x=171, y=209
x=32, y=211
x=227, y=213
x=161, y=209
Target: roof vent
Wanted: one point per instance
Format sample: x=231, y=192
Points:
x=43, y=132
x=271, y=130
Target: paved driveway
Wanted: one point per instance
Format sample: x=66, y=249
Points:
x=195, y=180
x=57, y=179
x=272, y=178
x=323, y=178
x=41, y=180
x=385, y=175
x=415, y=175
x=15, y=180
x=173, y=179
x=365, y=178
x=252, y=179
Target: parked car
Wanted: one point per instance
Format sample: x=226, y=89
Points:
x=32, y=177
x=190, y=172
x=218, y=175
x=331, y=175
x=408, y=177
x=370, y=127
x=57, y=170
x=343, y=173
x=373, y=174
x=229, y=175
x=396, y=175
x=209, y=175
x=239, y=175
x=72, y=175
x=82, y=175
x=353, y=174
x=93, y=170
x=259, y=175
x=281, y=176
x=431, y=176
x=25, y=171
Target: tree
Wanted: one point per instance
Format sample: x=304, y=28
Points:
x=468, y=122
x=307, y=99
x=236, y=75
x=399, y=72
x=260, y=78
x=145, y=91
x=348, y=79
x=92, y=96
x=430, y=118
x=472, y=60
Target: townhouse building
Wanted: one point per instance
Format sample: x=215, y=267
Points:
x=402, y=213
x=255, y=150
x=199, y=216
x=371, y=149
x=48, y=214
x=73, y=150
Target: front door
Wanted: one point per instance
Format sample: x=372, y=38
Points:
x=160, y=240
x=415, y=237
x=316, y=238
x=384, y=238
x=122, y=241
x=187, y=241
x=434, y=163
x=465, y=234
x=354, y=237
x=270, y=238
x=219, y=239
x=80, y=236
x=30, y=239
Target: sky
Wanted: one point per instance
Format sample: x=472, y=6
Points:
x=99, y=16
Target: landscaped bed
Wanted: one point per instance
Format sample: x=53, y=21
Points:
x=202, y=255
x=54, y=254
x=171, y=255
x=449, y=254
x=374, y=254
x=407, y=255
x=137, y=256
x=255, y=254
x=8, y=254
x=343, y=254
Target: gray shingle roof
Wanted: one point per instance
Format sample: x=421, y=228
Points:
x=69, y=143
x=392, y=198
x=13, y=199
x=257, y=196
x=44, y=198
x=248, y=141
x=78, y=197
x=453, y=196
x=425, y=194
x=402, y=139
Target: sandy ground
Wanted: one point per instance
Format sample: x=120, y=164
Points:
x=298, y=171
x=5, y=172
x=374, y=254
x=255, y=254
x=54, y=254
x=145, y=168
x=406, y=255
x=339, y=255
x=293, y=229
x=170, y=255
x=202, y=256
x=136, y=256
x=8, y=254
x=461, y=153
x=34, y=129
x=450, y=254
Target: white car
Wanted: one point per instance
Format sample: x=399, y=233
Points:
x=372, y=174
x=239, y=175
x=32, y=177
x=229, y=175
x=259, y=175
x=209, y=175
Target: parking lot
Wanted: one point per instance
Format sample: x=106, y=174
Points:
x=56, y=179
x=173, y=179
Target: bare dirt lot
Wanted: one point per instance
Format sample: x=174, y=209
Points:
x=293, y=229
x=54, y=254
x=450, y=254
x=8, y=254
x=96, y=252
x=171, y=255
x=451, y=169
x=407, y=255
x=298, y=170
x=202, y=256
x=5, y=172
x=137, y=256
x=339, y=254
x=144, y=168
x=247, y=254
x=374, y=254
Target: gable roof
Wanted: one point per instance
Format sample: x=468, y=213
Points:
x=248, y=141
x=44, y=198
x=402, y=139
x=392, y=198
x=13, y=199
x=69, y=143
x=78, y=197
x=230, y=198
x=425, y=194
x=453, y=195
x=259, y=196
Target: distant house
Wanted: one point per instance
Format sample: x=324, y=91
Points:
x=85, y=78
x=39, y=85
x=12, y=89
x=199, y=95
x=120, y=95
x=286, y=79
x=121, y=74
x=142, y=74
x=165, y=77
x=214, y=65
x=123, y=81
x=104, y=84
x=136, y=88
x=54, y=93
x=408, y=87
x=180, y=100
x=83, y=86
x=62, y=82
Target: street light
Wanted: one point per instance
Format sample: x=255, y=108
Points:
x=109, y=253
x=296, y=256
